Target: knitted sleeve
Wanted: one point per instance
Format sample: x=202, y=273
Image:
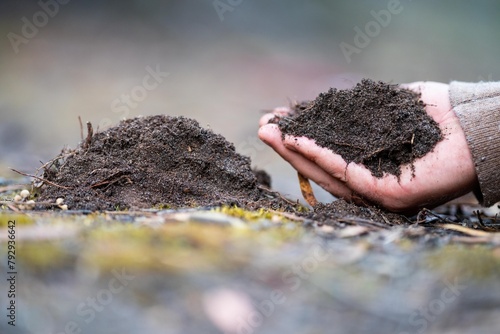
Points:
x=477, y=106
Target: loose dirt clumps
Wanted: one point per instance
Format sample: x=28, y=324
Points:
x=375, y=124
x=155, y=161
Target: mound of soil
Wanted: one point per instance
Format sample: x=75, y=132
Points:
x=156, y=161
x=375, y=124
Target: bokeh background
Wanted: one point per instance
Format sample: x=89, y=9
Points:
x=226, y=64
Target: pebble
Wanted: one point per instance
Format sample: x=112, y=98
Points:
x=24, y=193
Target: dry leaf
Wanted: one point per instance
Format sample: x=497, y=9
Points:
x=307, y=192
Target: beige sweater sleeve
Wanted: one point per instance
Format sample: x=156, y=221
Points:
x=477, y=105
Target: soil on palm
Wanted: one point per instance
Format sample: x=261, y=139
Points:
x=156, y=161
x=376, y=124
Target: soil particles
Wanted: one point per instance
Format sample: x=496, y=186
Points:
x=338, y=212
x=156, y=161
x=376, y=124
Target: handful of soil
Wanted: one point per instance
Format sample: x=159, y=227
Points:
x=375, y=124
x=153, y=161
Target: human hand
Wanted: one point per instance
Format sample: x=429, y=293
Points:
x=443, y=174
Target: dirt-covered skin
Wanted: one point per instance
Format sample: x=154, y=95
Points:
x=154, y=161
x=376, y=124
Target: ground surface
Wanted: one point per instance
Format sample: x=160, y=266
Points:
x=227, y=270
x=376, y=124
x=184, y=259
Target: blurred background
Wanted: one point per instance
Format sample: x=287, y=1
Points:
x=224, y=63
x=221, y=62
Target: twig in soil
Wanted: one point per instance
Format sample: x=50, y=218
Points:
x=90, y=133
x=288, y=215
x=469, y=231
x=275, y=193
x=295, y=106
x=350, y=145
x=425, y=211
x=81, y=127
x=384, y=218
x=364, y=222
x=448, y=224
x=306, y=190
x=480, y=220
x=40, y=179
x=62, y=156
x=12, y=207
x=111, y=180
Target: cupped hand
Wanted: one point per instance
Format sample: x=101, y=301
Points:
x=443, y=174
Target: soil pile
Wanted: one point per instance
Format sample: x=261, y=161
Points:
x=375, y=124
x=156, y=161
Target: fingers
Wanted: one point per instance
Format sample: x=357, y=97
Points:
x=353, y=176
x=265, y=119
x=345, y=180
x=332, y=163
x=279, y=111
x=271, y=135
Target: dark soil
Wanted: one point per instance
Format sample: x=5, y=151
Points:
x=340, y=212
x=375, y=124
x=156, y=161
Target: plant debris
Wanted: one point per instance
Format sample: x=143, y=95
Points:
x=306, y=190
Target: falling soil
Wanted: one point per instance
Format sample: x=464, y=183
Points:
x=375, y=124
x=156, y=161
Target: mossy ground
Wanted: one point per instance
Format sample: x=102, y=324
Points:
x=355, y=282
x=164, y=242
x=473, y=262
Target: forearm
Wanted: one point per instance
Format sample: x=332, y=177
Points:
x=477, y=106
